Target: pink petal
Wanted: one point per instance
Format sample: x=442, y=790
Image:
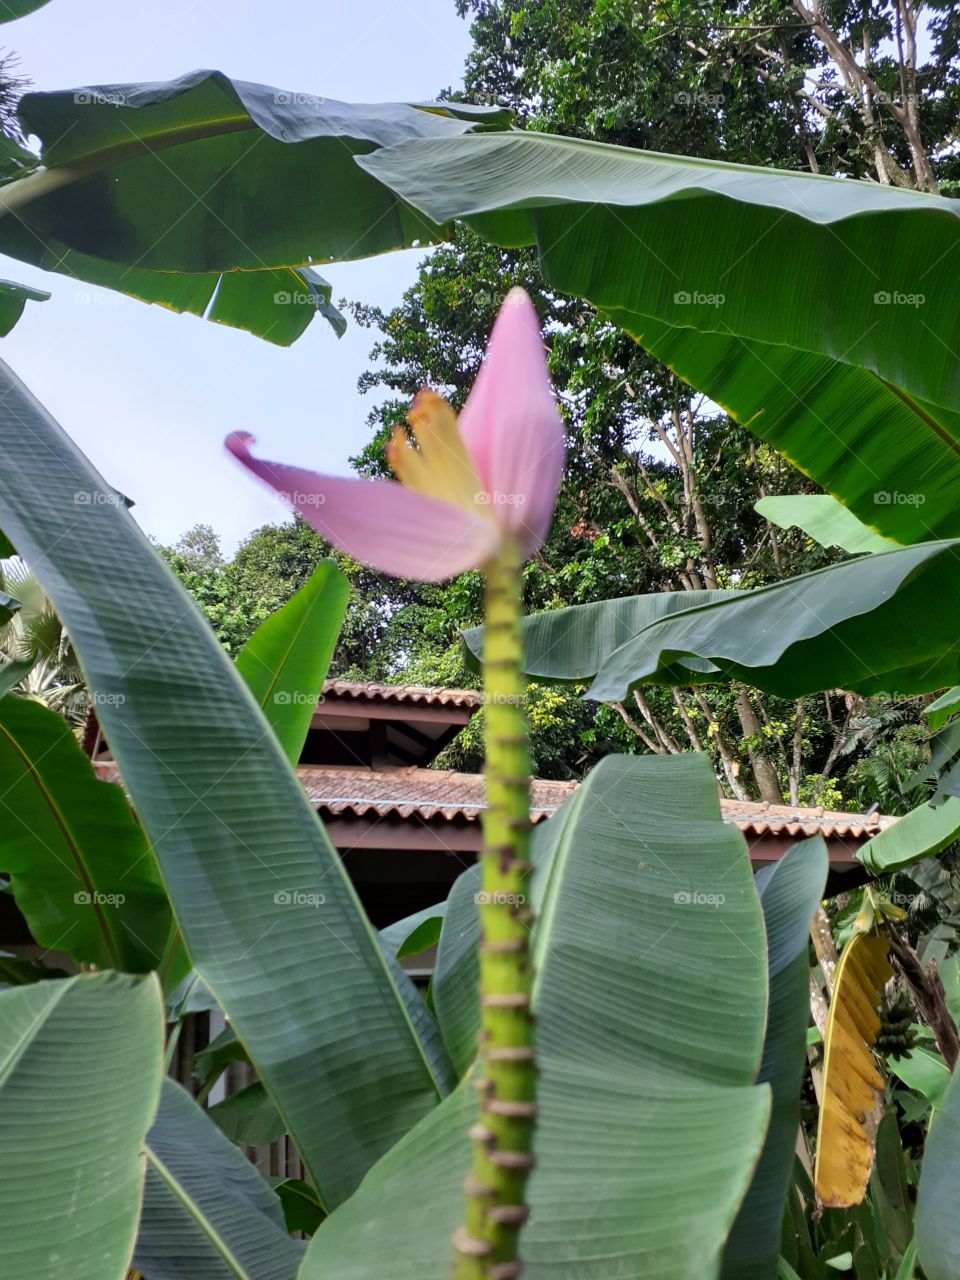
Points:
x=512, y=427
x=378, y=522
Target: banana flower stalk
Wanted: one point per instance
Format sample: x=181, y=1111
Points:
x=473, y=492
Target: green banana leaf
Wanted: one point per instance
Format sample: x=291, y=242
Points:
x=881, y=624
x=13, y=299
x=828, y=522
x=924, y=1071
x=12, y=9
x=918, y=834
x=790, y=893
x=267, y=913
x=207, y=1213
x=940, y=710
x=285, y=661
x=81, y=869
x=250, y=1117
x=414, y=934
x=80, y=1075
x=17, y=972
x=890, y=1191
x=650, y=998
x=817, y=310
x=937, y=1221
x=570, y=644
x=254, y=185
x=301, y=1209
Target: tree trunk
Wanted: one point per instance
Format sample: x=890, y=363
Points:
x=761, y=765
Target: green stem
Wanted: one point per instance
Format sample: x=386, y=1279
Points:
x=506, y=1079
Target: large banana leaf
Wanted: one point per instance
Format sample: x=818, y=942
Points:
x=790, y=892
x=206, y=175
x=285, y=661
x=80, y=1074
x=650, y=997
x=570, y=644
x=81, y=869
x=879, y=624
x=821, y=517
x=923, y=831
x=937, y=1221
x=818, y=310
x=207, y=1212
x=268, y=916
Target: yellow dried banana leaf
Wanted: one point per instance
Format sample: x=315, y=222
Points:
x=851, y=1080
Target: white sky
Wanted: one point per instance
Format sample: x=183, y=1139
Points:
x=149, y=395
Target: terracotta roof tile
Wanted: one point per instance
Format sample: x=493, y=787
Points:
x=366, y=691
x=434, y=794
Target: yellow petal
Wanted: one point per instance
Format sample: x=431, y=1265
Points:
x=439, y=466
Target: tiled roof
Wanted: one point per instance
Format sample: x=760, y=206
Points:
x=427, y=695
x=432, y=793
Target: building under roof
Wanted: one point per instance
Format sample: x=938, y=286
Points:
x=406, y=831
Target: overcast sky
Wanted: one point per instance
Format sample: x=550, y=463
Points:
x=149, y=395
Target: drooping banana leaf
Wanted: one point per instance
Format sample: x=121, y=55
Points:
x=790, y=892
x=268, y=916
x=285, y=661
x=923, y=831
x=822, y=518
x=80, y=1074
x=884, y=623
x=816, y=310
x=14, y=297
x=81, y=868
x=650, y=997
x=207, y=1213
x=937, y=1221
x=850, y=1077
x=414, y=934
x=250, y=1117
x=570, y=644
x=241, y=186
x=941, y=709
